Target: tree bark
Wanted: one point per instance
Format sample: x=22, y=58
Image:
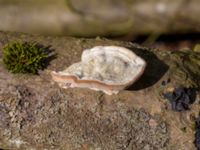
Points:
x=36, y=114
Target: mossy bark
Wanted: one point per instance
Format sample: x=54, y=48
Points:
x=35, y=113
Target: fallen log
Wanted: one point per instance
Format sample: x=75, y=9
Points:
x=89, y=18
x=35, y=113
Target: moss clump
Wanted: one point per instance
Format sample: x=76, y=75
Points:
x=23, y=57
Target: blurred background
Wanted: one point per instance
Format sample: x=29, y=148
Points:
x=163, y=24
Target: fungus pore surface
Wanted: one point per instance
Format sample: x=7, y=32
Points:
x=105, y=68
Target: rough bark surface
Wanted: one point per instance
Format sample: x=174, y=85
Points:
x=36, y=114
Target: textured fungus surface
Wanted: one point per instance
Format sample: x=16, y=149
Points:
x=106, y=68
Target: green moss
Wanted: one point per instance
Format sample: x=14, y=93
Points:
x=23, y=57
x=196, y=48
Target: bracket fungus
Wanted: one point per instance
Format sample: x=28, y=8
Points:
x=102, y=68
